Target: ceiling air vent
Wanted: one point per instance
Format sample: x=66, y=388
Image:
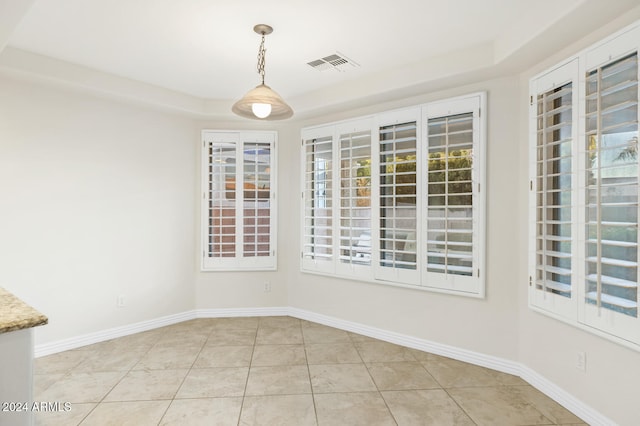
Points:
x=337, y=62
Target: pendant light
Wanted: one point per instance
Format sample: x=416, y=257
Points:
x=262, y=103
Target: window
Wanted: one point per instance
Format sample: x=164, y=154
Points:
x=355, y=197
x=449, y=195
x=408, y=208
x=610, y=188
x=351, y=145
x=584, y=262
x=238, y=200
x=554, y=220
x=317, y=231
x=398, y=196
x=398, y=214
x=454, y=207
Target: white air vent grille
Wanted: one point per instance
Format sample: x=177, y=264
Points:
x=336, y=61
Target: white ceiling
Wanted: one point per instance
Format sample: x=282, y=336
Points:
x=201, y=54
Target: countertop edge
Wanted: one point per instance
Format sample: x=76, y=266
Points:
x=17, y=315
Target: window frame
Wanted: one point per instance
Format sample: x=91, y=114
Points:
x=556, y=305
x=608, y=52
x=417, y=278
x=384, y=273
x=309, y=259
x=576, y=311
x=450, y=108
x=349, y=128
x=239, y=262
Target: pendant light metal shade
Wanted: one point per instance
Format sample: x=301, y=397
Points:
x=262, y=103
x=262, y=94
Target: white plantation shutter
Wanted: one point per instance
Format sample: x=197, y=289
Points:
x=450, y=195
x=355, y=162
x=610, y=187
x=317, y=196
x=221, y=207
x=553, y=190
x=398, y=197
x=554, y=120
x=257, y=199
x=238, y=207
x=585, y=186
x=365, y=214
x=454, y=207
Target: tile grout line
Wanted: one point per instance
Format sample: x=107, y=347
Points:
x=374, y=382
x=313, y=394
x=185, y=376
x=116, y=384
x=448, y=394
x=460, y=406
x=66, y=374
x=246, y=382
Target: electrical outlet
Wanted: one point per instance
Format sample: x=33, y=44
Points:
x=581, y=361
x=267, y=286
x=120, y=301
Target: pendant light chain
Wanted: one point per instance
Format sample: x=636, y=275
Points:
x=262, y=102
x=261, y=59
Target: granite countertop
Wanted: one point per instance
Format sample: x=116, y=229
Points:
x=17, y=315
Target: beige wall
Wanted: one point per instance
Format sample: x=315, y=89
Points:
x=96, y=200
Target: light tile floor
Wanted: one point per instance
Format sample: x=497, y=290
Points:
x=277, y=371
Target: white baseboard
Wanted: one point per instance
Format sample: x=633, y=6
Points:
x=242, y=312
x=579, y=408
x=564, y=398
x=113, y=333
x=476, y=358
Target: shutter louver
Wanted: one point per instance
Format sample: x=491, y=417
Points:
x=318, y=200
x=256, y=197
x=398, y=212
x=222, y=200
x=553, y=215
x=450, y=195
x=355, y=198
x=611, y=174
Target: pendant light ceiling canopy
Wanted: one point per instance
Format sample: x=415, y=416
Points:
x=262, y=103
